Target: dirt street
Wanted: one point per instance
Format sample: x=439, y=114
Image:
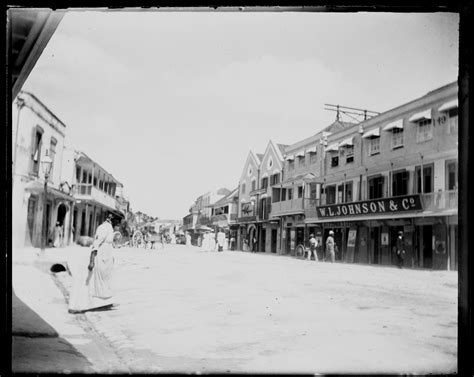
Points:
x=184, y=310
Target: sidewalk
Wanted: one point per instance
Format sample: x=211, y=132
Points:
x=45, y=337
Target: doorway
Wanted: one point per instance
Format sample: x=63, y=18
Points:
x=31, y=217
x=62, y=210
x=263, y=235
x=375, y=241
x=427, y=236
x=274, y=241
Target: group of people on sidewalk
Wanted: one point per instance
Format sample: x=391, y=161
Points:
x=213, y=242
x=331, y=248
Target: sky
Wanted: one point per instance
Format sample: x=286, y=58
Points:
x=171, y=103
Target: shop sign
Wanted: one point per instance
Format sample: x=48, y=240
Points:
x=246, y=219
x=378, y=206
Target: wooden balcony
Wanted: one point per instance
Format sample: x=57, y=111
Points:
x=89, y=192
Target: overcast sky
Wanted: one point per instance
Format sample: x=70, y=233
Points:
x=171, y=103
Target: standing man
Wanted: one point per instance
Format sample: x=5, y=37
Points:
x=220, y=240
x=330, y=244
x=312, y=248
x=400, y=249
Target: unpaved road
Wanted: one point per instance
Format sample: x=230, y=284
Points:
x=184, y=310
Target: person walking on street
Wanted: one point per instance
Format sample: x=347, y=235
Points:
x=220, y=240
x=162, y=239
x=92, y=283
x=312, y=248
x=330, y=244
x=400, y=249
x=58, y=235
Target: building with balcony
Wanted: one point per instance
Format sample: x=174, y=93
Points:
x=302, y=167
x=395, y=171
x=37, y=132
x=224, y=213
x=95, y=192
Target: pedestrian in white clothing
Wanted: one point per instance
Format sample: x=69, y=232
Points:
x=220, y=240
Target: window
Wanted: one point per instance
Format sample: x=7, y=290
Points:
x=427, y=185
x=290, y=194
x=300, y=191
x=374, y=145
x=36, y=155
x=78, y=174
x=243, y=188
x=376, y=187
x=313, y=158
x=340, y=190
x=424, y=131
x=397, y=138
x=265, y=182
x=276, y=195
x=400, y=183
x=453, y=121
x=283, y=194
x=330, y=194
x=95, y=181
x=348, y=197
x=302, y=161
x=451, y=175
x=312, y=190
x=254, y=185
x=334, y=161
x=349, y=153
x=52, y=153
x=291, y=165
x=275, y=179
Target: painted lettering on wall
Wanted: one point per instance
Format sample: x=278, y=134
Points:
x=386, y=205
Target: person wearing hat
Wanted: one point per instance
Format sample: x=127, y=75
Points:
x=400, y=249
x=312, y=248
x=330, y=245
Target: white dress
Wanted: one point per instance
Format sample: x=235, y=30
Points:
x=92, y=289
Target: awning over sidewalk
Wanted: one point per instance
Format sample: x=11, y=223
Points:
x=36, y=187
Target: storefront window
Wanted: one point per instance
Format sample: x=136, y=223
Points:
x=331, y=194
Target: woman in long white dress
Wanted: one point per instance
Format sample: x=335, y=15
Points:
x=92, y=276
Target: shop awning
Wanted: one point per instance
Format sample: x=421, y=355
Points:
x=300, y=154
x=397, y=124
x=426, y=114
x=372, y=133
x=38, y=188
x=332, y=148
x=449, y=105
x=311, y=150
x=347, y=142
x=290, y=157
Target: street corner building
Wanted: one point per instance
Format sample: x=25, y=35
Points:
x=75, y=191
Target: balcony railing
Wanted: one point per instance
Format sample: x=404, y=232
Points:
x=295, y=205
x=440, y=201
x=86, y=191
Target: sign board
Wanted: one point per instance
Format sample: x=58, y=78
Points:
x=392, y=205
x=384, y=239
x=351, y=238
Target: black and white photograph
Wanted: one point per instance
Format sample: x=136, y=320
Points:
x=241, y=190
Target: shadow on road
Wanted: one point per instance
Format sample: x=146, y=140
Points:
x=38, y=348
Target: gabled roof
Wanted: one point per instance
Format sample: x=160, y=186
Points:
x=260, y=156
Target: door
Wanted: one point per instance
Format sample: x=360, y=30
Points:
x=427, y=246
x=274, y=241
x=31, y=217
x=48, y=235
x=263, y=239
x=376, y=245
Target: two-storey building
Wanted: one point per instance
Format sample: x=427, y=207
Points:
x=94, y=191
x=396, y=171
x=37, y=132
